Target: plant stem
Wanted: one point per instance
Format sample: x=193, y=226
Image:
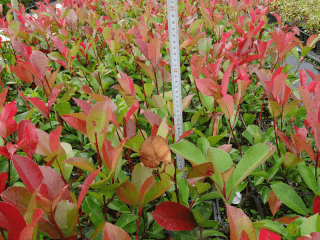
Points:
x=82, y=237
x=234, y=137
x=201, y=233
x=104, y=208
x=98, y=152
x=175, y=179
x=275, y=134
x=138, y=224
x=144, y=91
x=264, y=95
x=9, y=171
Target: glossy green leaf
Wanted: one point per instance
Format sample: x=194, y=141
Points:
x=66, y=216
x=220, y=159
x=310, y=225
x=256, y=155
x=188, y=151
x=291, y=161
x=308, y=177
x=97, y=123
x=289, y=197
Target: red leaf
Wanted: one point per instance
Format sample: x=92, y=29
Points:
x=278, y=19
x=316, y=205
x=112, y=232
x=185, y=134
x=133, y=108
x=304, y=145
x=239, y=222
x=76, y=123
x=11, y=220
x=274, y=203
x=311, y=236
x=4, y=152
x=53, y=96
x=154, y=130
x=3, y=178
x=40, y=62
x=287, y=141
x=22, y=73
x=225, y=80
x=130, y=128
x=154, y=51
x=126, y=84
x=226, y=147
x=195, y=65
x=28, y=137
x=206, y=87
x=268, y=235
x=58, y=44
x=244, y=235
x=108, y=152
x=85, y=106
x=85, y=186
x=174, y=217
x=27, y=232
x=8, y=111
x=54, y=183
x=152, y=118
x=3, y=96
x=143, y=46
x=54, y=140
x=286, y=220
x=226, y=104
x=40, y=105
x=28, y=171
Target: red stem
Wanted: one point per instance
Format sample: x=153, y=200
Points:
x=138, y=224
x=264, y=95
x=82, y=237
x=234, y=137
x=275, y=134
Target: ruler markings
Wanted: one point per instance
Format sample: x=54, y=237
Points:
x=173, y=28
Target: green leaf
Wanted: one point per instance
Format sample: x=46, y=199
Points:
x=256, y=155
x=213, y=140
x=66, y=217
x=195, y=26
x=204, y=222
x=188, y=151
x=289, y=197
x=207, y=101
x=203, y=145
x=308, y=177
x=134, y=143
x=139, y=174
x=291, y=161
x=310, y=225
x=157, y=190
x=148, y=89
x=289, y=106
x=305, y=51
x=125, y=219
x=221, y=159
x=63, y=108
x=196, y=116
x=210, y=195
x=249, y=118
x=97, y=124
x=183, y=192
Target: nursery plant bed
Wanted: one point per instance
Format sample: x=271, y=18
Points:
x=303, y=35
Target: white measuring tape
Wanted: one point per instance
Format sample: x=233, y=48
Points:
x=173, y=28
